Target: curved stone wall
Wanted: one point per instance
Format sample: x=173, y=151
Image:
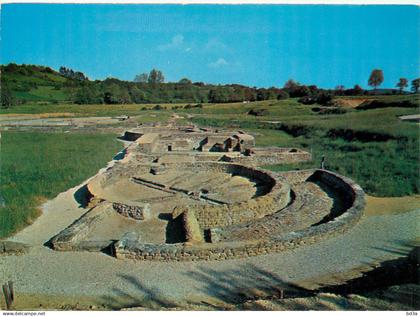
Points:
x=273, y=194
x=339, y=223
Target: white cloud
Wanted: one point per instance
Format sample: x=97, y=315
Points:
x=215, y=44
x=220, y=62
x=176, y=43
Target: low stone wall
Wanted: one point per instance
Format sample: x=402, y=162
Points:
x=138, y=212
x=210, y=216
x=275, y=196
x=293, y=177
x=230, y=250
x=72, y=238
x=336, y=183
x=273, y=156
x=147, y=142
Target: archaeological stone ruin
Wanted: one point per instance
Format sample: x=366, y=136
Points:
x=188, y=193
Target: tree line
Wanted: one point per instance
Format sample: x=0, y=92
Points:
x=152, y=88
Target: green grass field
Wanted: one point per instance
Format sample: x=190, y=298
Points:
x=86, y=109
x=37, y=166
x=373, y=147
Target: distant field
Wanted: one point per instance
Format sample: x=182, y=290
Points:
x=373, y=147
x=37, y=166
x=292, y=113
x=86, y=109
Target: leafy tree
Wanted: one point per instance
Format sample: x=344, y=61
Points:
x=218, y=95
x=142, y=78
x=266, y=94
x=301, y=91
x=7, y=98
x=49, y=70
x=185, y=81
x=87, y=94
x=114, y=94
x=376, y=78
x=295, y=89
x=80, y=76
x=137, y=96
x=212, y=96
x=70, y=73
x=401, y=84
x=282, y=95
x=339, y=90
x=415, y=84
x=291, y=84
x=156, y=76
x=249, y=94
x=323, y=98
x=12, y=67
x=356, y=90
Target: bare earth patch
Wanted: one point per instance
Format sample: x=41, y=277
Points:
x=350, y=103
x=6, y=117
x=391, y=205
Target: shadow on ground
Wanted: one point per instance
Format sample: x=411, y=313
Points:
x=220, y=290
x=393, y=284
x=388, y=274
x=82, y=196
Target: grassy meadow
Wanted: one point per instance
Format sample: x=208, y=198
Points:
x=374, y=147
x=37, y=166
x=85, y=109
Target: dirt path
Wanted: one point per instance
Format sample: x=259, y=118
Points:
x=65, y=121
x=117, y=283
x=350, y=102
x=5, y=117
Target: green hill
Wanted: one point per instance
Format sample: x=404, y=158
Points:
x=39, y=84
x=35, y=83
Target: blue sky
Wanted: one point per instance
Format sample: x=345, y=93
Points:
x=256, y=45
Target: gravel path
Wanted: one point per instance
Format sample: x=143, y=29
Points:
x=44, y=271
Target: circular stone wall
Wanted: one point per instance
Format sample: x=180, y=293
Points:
x=338, y=221
x=212, y=183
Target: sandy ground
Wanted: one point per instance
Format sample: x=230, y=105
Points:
x=53, y=121
x=5, y=117
x=395, y=298
x=43, y=273
x=391, y=205
x=351, y=102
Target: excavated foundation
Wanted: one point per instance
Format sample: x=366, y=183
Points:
x=183, y=193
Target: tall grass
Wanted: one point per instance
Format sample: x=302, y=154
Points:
x=37, y=166
x=382, y=168
x=86, y=109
